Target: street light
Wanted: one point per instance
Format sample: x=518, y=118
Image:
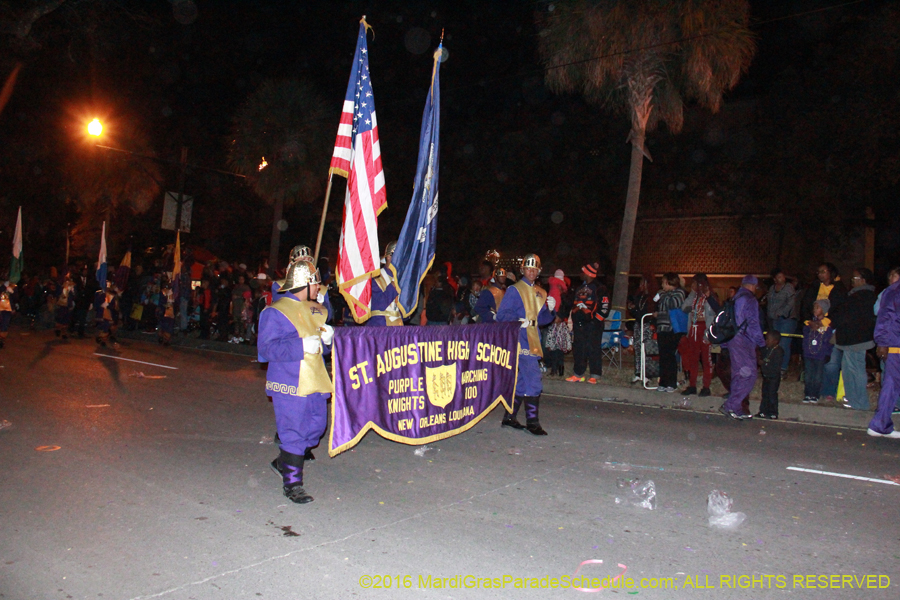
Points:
x=95, y=128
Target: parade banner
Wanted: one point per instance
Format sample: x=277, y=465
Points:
x=416, y=385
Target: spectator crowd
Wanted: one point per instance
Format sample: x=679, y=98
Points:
x=822, y=325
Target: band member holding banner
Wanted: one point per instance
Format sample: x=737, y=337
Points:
x=490, y=298
x=528, y=304
x=292, y=333
x=384, y=293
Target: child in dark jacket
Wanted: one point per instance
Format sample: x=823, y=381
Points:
x=770, y=365
x=817, y=334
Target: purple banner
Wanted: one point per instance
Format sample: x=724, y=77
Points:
x=416, y=385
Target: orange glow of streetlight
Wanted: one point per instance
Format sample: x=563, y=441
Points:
x=95, y=128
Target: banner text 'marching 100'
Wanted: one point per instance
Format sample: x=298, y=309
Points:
x=419, y=384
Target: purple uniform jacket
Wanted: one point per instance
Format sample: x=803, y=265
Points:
x=528, y=382
x=381, y=299
x=281, y=346
x=486, y=306
x=887, y=328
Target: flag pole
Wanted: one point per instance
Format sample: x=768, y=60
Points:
x=322, y=220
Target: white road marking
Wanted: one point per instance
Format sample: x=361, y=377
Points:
x=844, y=475
x=135, y=361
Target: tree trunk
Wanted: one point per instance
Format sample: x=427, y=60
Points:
x=276, y=237
x=640, y=115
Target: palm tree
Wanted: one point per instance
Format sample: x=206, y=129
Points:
x=285, y=124
x=647, y=58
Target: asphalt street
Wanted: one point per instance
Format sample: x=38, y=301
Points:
x=150, y=479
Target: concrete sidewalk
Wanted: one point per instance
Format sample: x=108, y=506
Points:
x=815, y=414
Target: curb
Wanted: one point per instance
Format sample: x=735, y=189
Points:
x=638, y=396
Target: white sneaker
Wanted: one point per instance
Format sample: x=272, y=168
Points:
x=894, y=434
x=636, y=379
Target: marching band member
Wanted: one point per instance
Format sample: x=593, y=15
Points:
x=529, y=305
x=292, y=335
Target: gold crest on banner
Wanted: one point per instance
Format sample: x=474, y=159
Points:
x=440, y=384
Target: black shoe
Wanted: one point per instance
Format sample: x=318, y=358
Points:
x=704, y=393
x=308, y=455
x=297, y=495
x=772, y=417
x=511, y=422
x=690, y=391
x=535, y=429
x=761, y=415
x=276, y=467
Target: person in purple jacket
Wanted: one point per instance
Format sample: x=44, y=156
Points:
x=887, y=339
x=742, y=349
x=292, y=333
x=528, y=304
x=817, y=346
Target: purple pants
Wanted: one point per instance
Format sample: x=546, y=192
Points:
x=890, y=389
x=743, y=371
x=300, y=420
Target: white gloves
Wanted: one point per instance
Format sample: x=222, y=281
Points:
x=551, y=303
x=327, y=334
x=581, y=305
x=312, y=345
x=526, y=323
x=320, y=297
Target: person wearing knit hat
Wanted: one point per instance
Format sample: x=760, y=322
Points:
x=742, y=350
x=817, y=349
x=590, y=310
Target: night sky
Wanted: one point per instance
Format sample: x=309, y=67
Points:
x=811, y=129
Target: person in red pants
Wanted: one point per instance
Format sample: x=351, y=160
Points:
x=702, y=307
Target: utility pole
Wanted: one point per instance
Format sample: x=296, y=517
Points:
x=181, y=177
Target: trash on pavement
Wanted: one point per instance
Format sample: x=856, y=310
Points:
x=421, y=450
x=640, y=493
x=514, y=451
x=720, y=516
x=4, y=424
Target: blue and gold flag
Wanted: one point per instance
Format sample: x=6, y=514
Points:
x=418, y=238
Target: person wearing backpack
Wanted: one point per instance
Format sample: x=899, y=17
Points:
x=671, y=298
x=742, y=349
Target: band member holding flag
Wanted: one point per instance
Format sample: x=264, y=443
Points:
x=529, y=305
x=292, y=333
x=384, y=293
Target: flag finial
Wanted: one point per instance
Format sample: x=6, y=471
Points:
x=368, y=27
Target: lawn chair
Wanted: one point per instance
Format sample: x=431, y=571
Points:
x=611, y=342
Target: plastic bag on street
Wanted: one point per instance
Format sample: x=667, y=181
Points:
x=640, y=493
x=720, y=516
x=422, y=450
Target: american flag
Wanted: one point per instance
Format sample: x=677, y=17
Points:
x=357, y=156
